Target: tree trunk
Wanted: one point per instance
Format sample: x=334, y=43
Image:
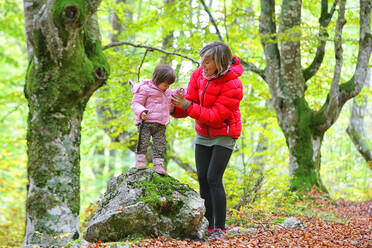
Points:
x=66, y=67
x=356, y=130
x=304, y=146
x=304, y=128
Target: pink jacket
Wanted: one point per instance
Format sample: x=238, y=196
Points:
x=148, y=97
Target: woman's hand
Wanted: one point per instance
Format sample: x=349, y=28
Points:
x=178, y=100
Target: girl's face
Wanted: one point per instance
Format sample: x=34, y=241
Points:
x=208, y=66
x=163, y=86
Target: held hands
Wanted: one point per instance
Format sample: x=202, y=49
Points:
x=181, y=91
x=179, y=99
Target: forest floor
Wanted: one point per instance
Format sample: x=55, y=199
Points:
x=326, y=224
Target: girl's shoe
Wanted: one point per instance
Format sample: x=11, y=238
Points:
x=141, y=161
x=158, y=165
x=159, y=169
x=218, y=233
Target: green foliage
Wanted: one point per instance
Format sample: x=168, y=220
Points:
x=106, y=139
x=344, y=171
x=13, y=109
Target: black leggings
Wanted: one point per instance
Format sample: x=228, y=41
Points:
x=211, y=163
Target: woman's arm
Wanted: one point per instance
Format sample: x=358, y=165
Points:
x=227, y=102
x=191, y=97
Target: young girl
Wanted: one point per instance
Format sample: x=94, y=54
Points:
x=151, y=105
x=212, y=99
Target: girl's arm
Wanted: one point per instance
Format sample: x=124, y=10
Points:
x=138, y=102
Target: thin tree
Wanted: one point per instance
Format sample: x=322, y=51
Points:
x=356, y=129
x=66, y=66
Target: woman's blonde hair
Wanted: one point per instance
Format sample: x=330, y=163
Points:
x=220, y=53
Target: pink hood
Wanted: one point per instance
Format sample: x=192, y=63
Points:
x=148, y=97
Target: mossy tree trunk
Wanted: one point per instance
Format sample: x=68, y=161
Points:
x=66, y=66
x=302, y=126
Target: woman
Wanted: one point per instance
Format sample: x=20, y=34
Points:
x=213, y=97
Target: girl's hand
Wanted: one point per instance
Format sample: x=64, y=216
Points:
x=179, y=101
x=181, y=92
x=144, y=115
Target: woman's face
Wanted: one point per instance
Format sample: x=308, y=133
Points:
x=208, y=66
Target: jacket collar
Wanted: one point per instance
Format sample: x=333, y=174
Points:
x=236, y=70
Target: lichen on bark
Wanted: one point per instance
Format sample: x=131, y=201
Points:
x=66, y=67
x=303, y=128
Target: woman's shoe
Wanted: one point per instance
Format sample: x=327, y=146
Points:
x=218, y=233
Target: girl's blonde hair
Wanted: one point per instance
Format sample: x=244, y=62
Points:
x=220, y=53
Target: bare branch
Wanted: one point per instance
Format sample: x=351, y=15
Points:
x=187, y=167
x=10, y=112
x=212, y=20
x=269, y=44
x=324, y=20
x=101, y=75
x=251, y=190
x=333, y=94
x=331, y=108
x=250, y=195
x=352, y=87
x=93, y=6
x=149, y=48
x=143, y=60
x=225, y=21
x=355, y=84
x=248, y=66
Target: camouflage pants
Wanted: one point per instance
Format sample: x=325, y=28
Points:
x=157, y=132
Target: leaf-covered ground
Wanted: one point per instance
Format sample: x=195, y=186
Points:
x=327, y=224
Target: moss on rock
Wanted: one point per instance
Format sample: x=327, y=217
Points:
x=158, y=193
x=141, y=203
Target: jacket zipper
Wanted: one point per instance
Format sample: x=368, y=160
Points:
x=205, y=89
x=228, y=126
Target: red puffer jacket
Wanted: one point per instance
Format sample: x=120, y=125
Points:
x=215, y=104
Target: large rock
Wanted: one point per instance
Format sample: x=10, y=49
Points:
x=142, y=203
x=293, y=222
